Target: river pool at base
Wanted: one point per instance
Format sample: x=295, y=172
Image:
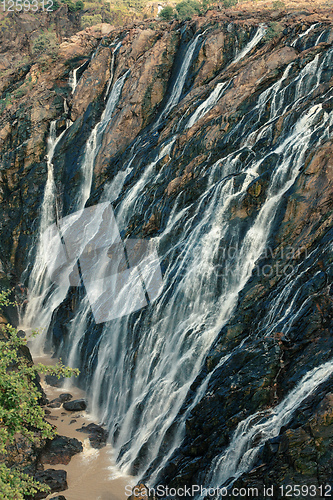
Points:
x=91, y=475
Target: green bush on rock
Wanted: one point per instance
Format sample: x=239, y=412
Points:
x=46, y=44
x=167, y=13
x=187, y=9
x=87, y=21
x=278, y=4
x=275, y=29
x=20, y=412
x=229, y=3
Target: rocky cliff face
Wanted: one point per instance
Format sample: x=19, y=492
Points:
x=234, y=175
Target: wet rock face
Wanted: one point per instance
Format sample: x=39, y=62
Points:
x=301, y=454
x=265, y=363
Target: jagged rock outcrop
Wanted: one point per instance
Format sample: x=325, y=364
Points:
x=97, y=435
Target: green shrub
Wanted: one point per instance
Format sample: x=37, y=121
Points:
x=20, y=63
x=278, y=4
x=70, y=4
x=20, y=92
x=274, y=29
x=20, y=412
x=167, y=13
x=46, y=44
x=187, y=9
x=55, y=5
x=7, y=101
x=79, y=5
x=229, y=3
x=87, y=21
x=135, y=4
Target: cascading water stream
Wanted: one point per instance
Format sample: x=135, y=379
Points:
x=302, y=35
x=111, y=70
x=178, y=86
x=94, y=143
x=208, y=104
x=220, y=88
x=43, y=296
x=72, y=81
x=252, y=432
x=40, y=285
x=39, y=282
x=260, y=33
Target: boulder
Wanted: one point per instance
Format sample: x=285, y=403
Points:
x=60, y=450
x=55, y=479
x=63, y=398
x=57, y=402
x=97, y=435
x=76, y=405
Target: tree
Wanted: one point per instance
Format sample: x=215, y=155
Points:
x=79, y=5
x=187, y=9
x=87, y=21
x=166, y=13
x=20, y=412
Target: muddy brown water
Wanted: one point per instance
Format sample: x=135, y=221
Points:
x=91, y=475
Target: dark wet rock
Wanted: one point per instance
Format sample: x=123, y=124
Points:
x=54, y=404
x=76, y=405
x=298, y=454
x=54, y=381
x=60, y=450
x=63, y=398
x=59, y=497
x=57, y=402
x=55, y=479
x=97, y=435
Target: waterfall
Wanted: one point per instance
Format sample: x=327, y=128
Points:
x=72, y=80
x=163, y=347
x=255, y=430
x=252, y=43
x=178, y=86
x=40, y=286
x=41, y=289
x=220, y=88
x=301, y=35
x=208, y=104
x=111, y=70
x=94, y=142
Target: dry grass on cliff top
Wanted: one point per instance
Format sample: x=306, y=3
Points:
x=289, y=5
